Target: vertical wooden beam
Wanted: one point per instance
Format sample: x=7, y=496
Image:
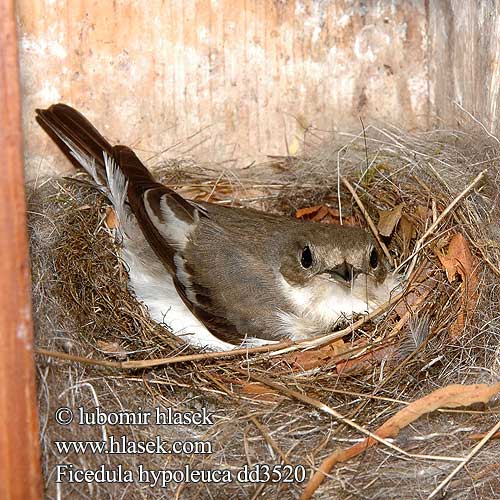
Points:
x=464, y=63
x=19, y=440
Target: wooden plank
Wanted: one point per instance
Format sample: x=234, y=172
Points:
x=464, y=63
x=226, y=80
x=19, y=441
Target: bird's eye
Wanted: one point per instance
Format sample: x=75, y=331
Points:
x=374, y=258
x=306, y=258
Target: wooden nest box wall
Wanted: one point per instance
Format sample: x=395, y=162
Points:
x=223, y=81
x=234, y=81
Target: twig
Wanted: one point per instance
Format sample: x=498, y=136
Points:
x=465, y=461
x=332, y=337
x=369, y=220
x=366, y=145
x=445, y=212
x=268, y=438
x=334, y=413
x=278, y=348
x=451, y=206
x=341, y=150
x=150, y=363
x=449, y=396
x=479, y=248
x=339, y=200
x=427, y=243
x=477, y=437
x=399, y=367
x=258, y=491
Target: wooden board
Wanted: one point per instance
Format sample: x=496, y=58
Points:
x=464, y=62
x=19, y=449
x=222, y=80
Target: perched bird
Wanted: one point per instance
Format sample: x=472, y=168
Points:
x=219, y=276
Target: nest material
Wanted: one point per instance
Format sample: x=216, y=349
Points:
x=82, y=307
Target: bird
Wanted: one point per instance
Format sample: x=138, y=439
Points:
x=224, y=277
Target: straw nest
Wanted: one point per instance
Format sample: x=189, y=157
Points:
x=436, y=213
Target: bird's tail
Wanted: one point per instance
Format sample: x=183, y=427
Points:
x=113, y=168
x=78, y=139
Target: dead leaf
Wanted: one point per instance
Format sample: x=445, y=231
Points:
x=451, y=396
x=114, y=349
x=458, y=326
x=325, y=215
x=478, y=437
x=407, y=231
x=459, y=261
x=338, y=352
x=423, y=213
x=404, y=307
x=347, y=220
x=322, y=213
x=388, y=220
x=364, y=362
x=111, y=219
x=303, y=212
x=84, y=207
x=424, y=284
x=306, y=360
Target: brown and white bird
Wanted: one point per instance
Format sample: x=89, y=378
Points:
x=220, y=277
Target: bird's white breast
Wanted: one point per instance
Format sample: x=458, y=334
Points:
x=318, y=305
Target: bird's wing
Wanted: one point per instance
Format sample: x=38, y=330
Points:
x=167, y=221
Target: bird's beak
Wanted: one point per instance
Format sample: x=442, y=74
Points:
x=344, y=272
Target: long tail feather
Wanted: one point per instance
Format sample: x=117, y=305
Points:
x=77, y=138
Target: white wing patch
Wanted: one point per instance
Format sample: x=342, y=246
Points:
x=184, y=277
x=153, y=285
x=157, y=291
x=175, y=231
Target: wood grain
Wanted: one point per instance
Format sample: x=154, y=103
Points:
x=19, y=450
x=464, y=62
x=221, y=80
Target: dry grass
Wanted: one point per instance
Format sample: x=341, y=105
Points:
x=82, y=307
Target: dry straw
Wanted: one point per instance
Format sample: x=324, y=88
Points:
x=99, y=348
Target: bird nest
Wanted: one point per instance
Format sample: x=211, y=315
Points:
x=372, y=413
